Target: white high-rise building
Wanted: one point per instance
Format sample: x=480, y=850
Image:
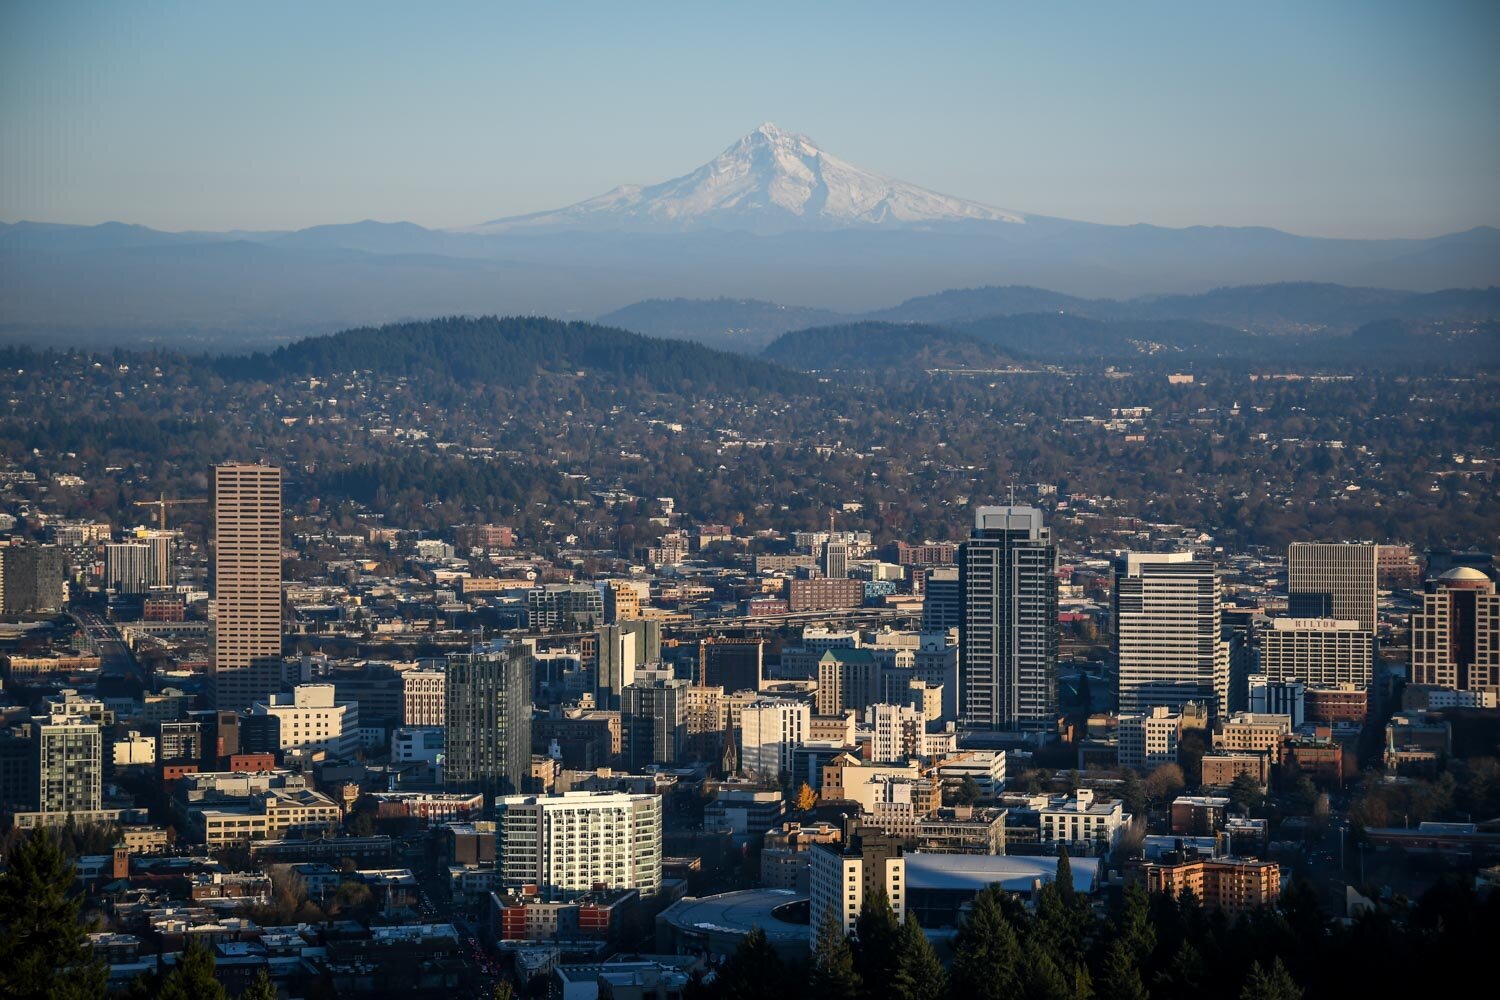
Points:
x=423, y=693
x=310, y=719
x=771, y=730
x=841, y=874
x=568, y=843
x=1167, y=618
x=900, y=733
x=127, y=567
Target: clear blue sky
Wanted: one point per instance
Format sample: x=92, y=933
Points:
x=1332, y=118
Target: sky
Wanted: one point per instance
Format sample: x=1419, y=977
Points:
x=1360, y=119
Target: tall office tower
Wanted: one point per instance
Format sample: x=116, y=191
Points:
x=771, y=730
x=1320, y=652
x=836, y=560
x=70, y=764
x=1007, y=638
x=127, y=567
x=487, y=721
x=1455, y=636
x=653, y=722
x=942, y=601
x=622, y=649
x=847, y=678
x=1332, y=580
x=569, y=843
x=247, y=585
x=31, y=578
x=732, y=664
x=1167, y=625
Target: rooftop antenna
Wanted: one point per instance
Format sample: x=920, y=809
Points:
x=1012, y=492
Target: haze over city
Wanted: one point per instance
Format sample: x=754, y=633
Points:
x=671, y=502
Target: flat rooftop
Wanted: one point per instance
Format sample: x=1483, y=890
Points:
x=739, y=913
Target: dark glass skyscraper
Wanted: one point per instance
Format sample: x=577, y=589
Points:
x=488, y=722
x=1007, y=637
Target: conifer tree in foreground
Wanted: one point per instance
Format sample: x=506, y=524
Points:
x=44, y=951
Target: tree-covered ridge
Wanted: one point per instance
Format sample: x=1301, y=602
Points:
x=1067, y=947
x=510, y=350
x=870, y=346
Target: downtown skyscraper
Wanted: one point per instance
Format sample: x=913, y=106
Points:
x=1007, y=636
x=1167, y=618
x=1332, y=580
x=487, y=715
x=247, y=585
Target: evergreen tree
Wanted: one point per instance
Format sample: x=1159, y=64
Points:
x=44, y=951
x=1120, y=976
x=1042, y=978
x=1274, y=983
x=987, y=952
x=264, y=989
x=1064, y=875
x=1136, y=929
x=753, y=972
x=919, y=973
x=1183, y=977
x=1133, y=793
x=193, y=977
x=877, y=938
x=833, y=974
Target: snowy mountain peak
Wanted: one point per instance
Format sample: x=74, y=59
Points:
x=769, y=181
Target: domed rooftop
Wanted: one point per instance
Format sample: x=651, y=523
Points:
x=1464, y=574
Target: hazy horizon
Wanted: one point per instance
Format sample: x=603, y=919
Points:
x=1350, y=120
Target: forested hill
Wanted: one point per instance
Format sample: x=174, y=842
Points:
x=511, y=350
x=868, y=346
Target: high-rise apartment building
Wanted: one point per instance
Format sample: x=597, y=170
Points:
x=771, y=730
x=70, y=765
x=139, y=564
x=488, y=721
x=1320, y=652
x=1455, y=636
x=247, y=584
x=563, y=844
x=32, y=578
x=1167, y=618
x=623, y=649
x=1149, y=739
x=842, y=874
x=653, y=721
x=1332, y=580
x=1007, y=638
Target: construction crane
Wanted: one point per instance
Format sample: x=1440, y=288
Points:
x=162, y=503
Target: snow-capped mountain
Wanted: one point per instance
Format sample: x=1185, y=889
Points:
x=769, y=181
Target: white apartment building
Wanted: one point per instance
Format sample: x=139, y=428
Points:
x=771, y=730
x=1149, y=739
x=1079, y=822
x=986, y=767
x=571, y=842
x=840, y=874
x=310, y=719
x=900, y=733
